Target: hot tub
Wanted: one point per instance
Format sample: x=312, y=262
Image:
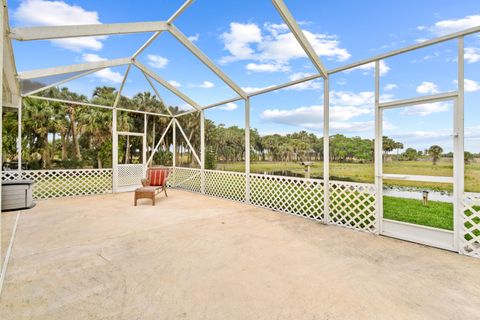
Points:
x=17, y=195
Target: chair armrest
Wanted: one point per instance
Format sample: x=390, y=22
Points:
x=145, y=182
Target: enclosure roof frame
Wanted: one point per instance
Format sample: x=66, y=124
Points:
x=54, y=32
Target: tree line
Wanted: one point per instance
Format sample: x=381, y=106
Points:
x=64, y=135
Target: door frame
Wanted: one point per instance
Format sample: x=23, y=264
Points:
x=444, y=239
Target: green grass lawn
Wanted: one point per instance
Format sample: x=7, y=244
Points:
x=364, y=172
x=436, y=214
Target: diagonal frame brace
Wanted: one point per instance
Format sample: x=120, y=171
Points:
x=166, y=84
x=205, y=60
x=188, y=142
x=300, y=36
x=159, y=142
x=156, y=92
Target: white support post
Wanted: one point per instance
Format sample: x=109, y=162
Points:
x=174, y=143
x=326, y=149
x=19, y=138
x=247, y=150
x=2, y=44
x=114, y=151
x=458, y=154
x=378, y=151
x=202, y=151
x=115, y=133
x=144, y=150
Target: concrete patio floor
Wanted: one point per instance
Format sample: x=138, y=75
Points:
x=196, y=257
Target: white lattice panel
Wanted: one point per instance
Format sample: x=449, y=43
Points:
x=65, y=183
x=130, y=174
x=298, y=196
x=470, y=235
x=10, y=175
x=185, y=178
x=352, y=205
x=225, y=184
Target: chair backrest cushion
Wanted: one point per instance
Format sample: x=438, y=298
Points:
x=157, y=176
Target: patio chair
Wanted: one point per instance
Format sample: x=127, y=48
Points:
x=154, y=183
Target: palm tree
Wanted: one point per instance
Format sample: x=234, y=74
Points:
x=435, y=151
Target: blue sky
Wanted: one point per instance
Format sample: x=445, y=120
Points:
x=248, y=40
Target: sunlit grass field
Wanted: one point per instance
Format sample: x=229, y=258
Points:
x=364, y=172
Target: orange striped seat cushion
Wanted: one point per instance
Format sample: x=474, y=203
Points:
x=157, y=177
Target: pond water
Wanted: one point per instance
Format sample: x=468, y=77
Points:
x=395, y=191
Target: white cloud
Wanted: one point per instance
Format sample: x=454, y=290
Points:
x=54, y=13
x=348, y=98
x=157, y=61
x=345, y=107
x=229, y=106
x=390, y=87
x=308, y=85
x=105, y=75
x=444, y=27
x=194, y=38
x=369, y=68
x=427, y=87
x=426, y=109
x=274, y=49
x=284, y=47
x=185, y=107
x=267, y=67
x=311, y=117
x=472, y=54
x=470, y=85
x=237, y=41
x=174, y=83
x=204, y=85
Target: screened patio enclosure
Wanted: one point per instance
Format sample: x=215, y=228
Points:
x=352, y=205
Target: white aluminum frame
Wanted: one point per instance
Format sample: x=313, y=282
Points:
x=59, y=32
x=26, y=34
x=407, y=231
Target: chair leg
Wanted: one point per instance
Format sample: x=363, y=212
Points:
x=165, y=191
x=153, y=199
x=135, y=201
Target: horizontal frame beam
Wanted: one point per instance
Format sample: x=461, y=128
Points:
x=407, y=49
x=87, y=30
x=411, y=177
x=285, y=85
x=419, y=100
x=213, y=105
x=126, y=133
x=40, y=73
